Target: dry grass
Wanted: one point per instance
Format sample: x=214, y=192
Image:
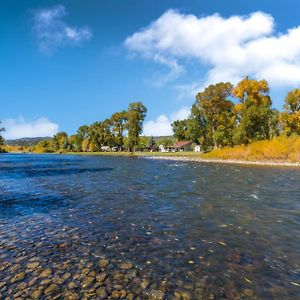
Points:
x=278, y=149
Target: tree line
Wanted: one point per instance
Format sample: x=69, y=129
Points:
x=227, y=115
x=121, y=131
x=222, y=115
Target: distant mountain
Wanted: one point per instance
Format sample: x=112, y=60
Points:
x=26, y=142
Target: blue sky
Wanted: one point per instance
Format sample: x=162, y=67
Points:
x=69, y=63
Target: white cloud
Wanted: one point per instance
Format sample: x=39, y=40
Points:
x=52, y=32
x=19, y=128
x=229, y=48
x=162, y=125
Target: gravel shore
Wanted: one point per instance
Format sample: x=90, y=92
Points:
x=227, y=161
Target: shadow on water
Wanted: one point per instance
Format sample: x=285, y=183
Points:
x=46, y=171
x=18, y=204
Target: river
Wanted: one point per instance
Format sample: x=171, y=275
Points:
x=95, y=227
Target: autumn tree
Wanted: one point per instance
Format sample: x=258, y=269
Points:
x=290, y=117
x=255, y=114
x=60, y=141
x=219, y=113
x=135, y=116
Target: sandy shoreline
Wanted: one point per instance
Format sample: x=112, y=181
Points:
x=227, y=161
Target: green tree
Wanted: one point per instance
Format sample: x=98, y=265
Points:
x=290, y=117
x=255, y=114
x=135, y=116
x=180, y=130
x=82, y=134
x=2, y=129
x=197, y=127
x=219, y=112
x=118, y=121
x=165, y=141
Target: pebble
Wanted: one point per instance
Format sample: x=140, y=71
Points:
x=46, y=273
x=101, y=277
x=87, y=282
x=101, y=293
x=33, y=265
x=51, y=289
x=18, y=277
x=156, y=295
x=103, y=263
x=126, y=266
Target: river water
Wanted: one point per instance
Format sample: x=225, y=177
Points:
x=93, y=227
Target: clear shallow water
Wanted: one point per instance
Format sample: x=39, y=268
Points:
x=86, y=227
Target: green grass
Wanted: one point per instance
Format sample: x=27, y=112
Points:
x=137, y=154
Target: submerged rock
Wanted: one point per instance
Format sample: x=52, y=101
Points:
x=103, y=263
x=126, y=265
x=18, y=277
x=101, y=293
x=156, y=295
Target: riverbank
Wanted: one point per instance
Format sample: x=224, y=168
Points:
x=193, y=156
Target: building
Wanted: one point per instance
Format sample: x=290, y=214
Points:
x=197, y=148
x=105, y=148
x=183, y=146
x=177, y=147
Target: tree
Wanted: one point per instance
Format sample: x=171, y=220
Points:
x=290, y=117
x=198, y=130
x=82, y=134
x=2, y=129
x=118, y=121
x=219, y=112
x=135, y=116
x=180, y=130
x=44, y=146
x=165, y=141
x=254, y=111
x=60, y=141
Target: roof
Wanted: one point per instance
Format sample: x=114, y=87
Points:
x=182, y=144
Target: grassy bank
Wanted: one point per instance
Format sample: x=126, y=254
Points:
x=278, y=149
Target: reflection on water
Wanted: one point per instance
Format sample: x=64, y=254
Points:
x=74, y=227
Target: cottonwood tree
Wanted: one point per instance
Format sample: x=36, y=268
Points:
x=290, y=117
x=135, y=116
x=219, y=112
x=180, y=130
x=118, y=121
x=255, y=114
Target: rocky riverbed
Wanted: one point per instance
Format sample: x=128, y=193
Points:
x=130, y=228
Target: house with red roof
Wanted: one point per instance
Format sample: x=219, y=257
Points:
x=178, y=147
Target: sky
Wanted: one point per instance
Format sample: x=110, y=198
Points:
x=67, y=63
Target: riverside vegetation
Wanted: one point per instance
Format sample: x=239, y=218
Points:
x=227, y=121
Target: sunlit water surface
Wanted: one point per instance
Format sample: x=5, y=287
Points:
x=92, y=227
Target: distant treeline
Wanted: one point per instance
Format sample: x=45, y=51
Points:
x=227, y=115
x=120, y=132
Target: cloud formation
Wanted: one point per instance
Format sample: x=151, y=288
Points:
x=162, y=125
x=229, y=48
x=19, y=128
x=53, y=32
